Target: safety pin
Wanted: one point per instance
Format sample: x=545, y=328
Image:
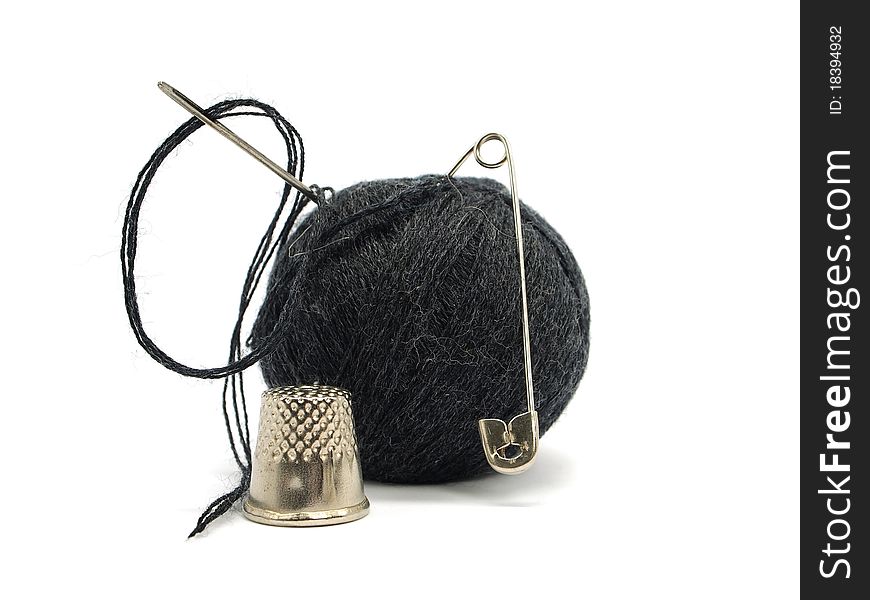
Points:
x=521, y=432
x=194, y=109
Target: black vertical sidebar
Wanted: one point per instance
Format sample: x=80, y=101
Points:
x=835, y=370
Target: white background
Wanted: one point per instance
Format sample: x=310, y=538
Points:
x=661, y=139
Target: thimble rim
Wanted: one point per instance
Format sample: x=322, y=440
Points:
x=305, y=518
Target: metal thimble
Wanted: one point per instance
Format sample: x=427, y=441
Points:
x=306, y=467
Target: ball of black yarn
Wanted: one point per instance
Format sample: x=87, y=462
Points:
x=406, y=293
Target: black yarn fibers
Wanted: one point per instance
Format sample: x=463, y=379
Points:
x=404, y=292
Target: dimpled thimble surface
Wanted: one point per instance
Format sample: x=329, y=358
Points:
x=306, y=468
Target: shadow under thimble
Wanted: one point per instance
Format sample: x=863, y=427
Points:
x=306, y=467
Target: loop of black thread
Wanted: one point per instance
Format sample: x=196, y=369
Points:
x=129, y=242
x=233, y=388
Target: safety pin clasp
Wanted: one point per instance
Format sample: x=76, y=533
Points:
x=510, y=448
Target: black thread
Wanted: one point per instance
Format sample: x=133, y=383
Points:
x=236, y=418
